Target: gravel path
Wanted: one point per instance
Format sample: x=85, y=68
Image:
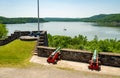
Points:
x=64, y=69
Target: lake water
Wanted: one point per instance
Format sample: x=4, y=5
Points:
x=72, y=29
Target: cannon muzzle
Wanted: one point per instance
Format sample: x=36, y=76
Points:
x=58, y=49
x=94, y=54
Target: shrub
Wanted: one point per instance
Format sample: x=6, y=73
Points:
x=3, y=31
x=81, y=42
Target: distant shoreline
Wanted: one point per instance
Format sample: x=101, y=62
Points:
x=102, y=19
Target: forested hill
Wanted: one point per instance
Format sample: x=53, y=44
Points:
x=63, y=19
x=110, y=19
x=104, y=19
x=5, y=20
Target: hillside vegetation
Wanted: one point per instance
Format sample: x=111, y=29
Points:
x=3, y=31
x=63, y=19
x=80, y=42
x=5, y=20
x=104, y=19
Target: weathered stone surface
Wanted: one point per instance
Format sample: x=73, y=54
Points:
x=110, y=59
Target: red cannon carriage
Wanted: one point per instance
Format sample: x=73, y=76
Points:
x=94, y=62
x=54, y=57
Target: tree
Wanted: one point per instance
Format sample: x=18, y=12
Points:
x=3, y=31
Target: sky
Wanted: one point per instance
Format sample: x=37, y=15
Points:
x=58, y=8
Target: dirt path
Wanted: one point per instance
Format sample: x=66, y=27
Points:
x=64, y=69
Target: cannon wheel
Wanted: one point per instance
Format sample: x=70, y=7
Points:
x=55, y=62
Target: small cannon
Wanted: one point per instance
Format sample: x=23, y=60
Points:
x=54, y=57
x=34, y=34
x=94, y=62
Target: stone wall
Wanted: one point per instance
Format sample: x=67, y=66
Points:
x=43, y=40
x=109, y=59
x=17, y=34
x=9, y=39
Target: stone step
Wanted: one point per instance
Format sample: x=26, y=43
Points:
x=41, y=37
x=35, y=53
x=40, y=43
x=41, y=40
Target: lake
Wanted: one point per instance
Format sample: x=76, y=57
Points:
x=70, y=29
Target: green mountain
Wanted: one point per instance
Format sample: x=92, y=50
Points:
x=104, y=19
x=5, y=20
x=94, y=18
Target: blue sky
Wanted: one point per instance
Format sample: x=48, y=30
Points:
x=58, y=8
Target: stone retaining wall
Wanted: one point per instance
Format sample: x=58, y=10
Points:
x=9, y=39
x=109, y=59
x=17, y=34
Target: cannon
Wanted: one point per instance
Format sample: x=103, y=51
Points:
x=54, y=57
x=34, y=34
x=94, y=63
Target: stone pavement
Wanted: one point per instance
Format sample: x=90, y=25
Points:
x=76, y=66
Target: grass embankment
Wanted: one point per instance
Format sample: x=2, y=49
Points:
x=16, y=53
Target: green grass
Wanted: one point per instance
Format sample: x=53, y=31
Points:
x=16, y=53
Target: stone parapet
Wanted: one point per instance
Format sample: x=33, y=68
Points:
x=109, y=59
x=17, y=34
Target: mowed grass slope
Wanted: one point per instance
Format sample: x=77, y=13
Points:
x=16, y=53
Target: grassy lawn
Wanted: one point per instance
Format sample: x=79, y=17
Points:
x=16, y=53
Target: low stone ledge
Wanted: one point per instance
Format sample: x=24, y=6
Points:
x=66, y=54
x=109, y=59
